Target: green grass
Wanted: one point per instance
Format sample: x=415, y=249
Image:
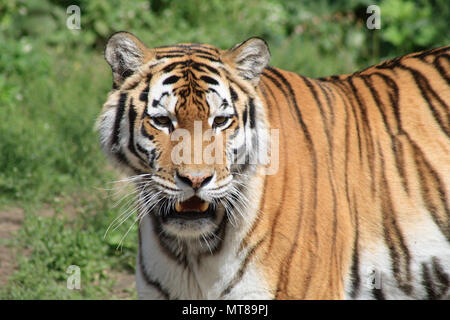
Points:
x=48, y=141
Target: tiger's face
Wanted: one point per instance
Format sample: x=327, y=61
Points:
x=183, y=121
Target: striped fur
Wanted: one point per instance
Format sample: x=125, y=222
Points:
x=359, y=206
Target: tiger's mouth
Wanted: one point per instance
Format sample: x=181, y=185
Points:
x=193, y=208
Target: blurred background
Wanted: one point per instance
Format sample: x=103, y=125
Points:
x=57, y=195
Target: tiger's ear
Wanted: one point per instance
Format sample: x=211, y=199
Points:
x=249, y=58
x=125, y=53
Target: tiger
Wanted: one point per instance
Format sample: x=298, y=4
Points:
x=328, y=188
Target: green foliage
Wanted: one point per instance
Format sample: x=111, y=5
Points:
x=48, y=112
x=412, y=25
x=53, y=82
x=329, y=26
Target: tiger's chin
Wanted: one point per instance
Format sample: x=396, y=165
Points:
x=191, y=219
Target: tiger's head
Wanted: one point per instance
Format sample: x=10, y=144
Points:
x=185, y=121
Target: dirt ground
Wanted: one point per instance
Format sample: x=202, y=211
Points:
x=11, y=220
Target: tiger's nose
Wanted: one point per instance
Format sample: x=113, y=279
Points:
x=195, y=180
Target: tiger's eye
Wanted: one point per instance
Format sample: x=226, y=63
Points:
x=162, y=121
x=219, y=120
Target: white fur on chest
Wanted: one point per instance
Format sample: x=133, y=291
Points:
x=205, y=278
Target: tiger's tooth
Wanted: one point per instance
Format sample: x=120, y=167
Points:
x=204, y=206
x=178, y=207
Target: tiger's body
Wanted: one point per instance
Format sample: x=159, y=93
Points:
x=359, y=205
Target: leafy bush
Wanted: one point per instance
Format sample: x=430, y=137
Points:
x=413, y=25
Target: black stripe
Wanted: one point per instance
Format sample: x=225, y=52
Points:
x=126, y=73
x=324, y=117
x=251, y=104
x=327, y=92
x=132, y=119
x=428, y=93
x=115, y=147
x=121, y=158
x=396, y=144
x=209, y=80
x=172, y=66
x=208, y=53
x=434, y=51
x=378, y=294
x=393, y=236
x=443, y=71
x=342, y=86
x=315, y=95
x=426, y=172
x=171, y=80
x=119, y=116
x=146, y=134
x=393, y=97
x=378, y=103
x=165, y=240
x=198, y=66
x=151, y=158
x=142, y=150
x=229, y=77
x=144, y=94
x=370, y=149
x=210, y=58
x=163, y=56
x=233, y=94
x=427, y=283
x=291, y=97
x=155, y=103
x=355, y=277
x=240, y=273
x=441, y=275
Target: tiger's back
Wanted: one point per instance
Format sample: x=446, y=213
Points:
x=359, y=205
x=368, y=214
